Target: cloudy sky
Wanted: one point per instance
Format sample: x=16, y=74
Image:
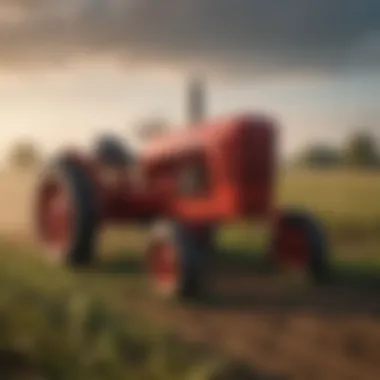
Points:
x=71, y=68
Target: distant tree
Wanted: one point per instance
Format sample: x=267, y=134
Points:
x=362, y=151
x=320, y=156
x=151, y=128
x=24, y=154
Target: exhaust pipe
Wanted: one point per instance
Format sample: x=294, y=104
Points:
x=196, y=100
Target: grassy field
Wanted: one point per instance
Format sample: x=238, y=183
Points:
x=57, y=325
x=346, y=200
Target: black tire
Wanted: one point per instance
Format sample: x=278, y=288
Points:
x=194, y=253
x=80, y=250
x=316, y=236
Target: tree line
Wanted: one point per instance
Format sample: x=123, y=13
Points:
x=360, y=150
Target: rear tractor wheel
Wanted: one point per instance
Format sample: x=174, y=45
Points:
x=65, y=215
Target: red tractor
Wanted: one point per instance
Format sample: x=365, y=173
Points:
x=184, y=185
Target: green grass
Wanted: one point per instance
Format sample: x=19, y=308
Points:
x=343, y=199
x=55, y=325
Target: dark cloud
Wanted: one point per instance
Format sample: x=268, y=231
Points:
x=257, y=35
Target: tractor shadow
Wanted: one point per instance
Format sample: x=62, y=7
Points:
x=251, y=286
x=242, y=282
x=322, y=300
x=129, y=265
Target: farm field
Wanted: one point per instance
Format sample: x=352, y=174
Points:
x=347, y=201
x=279, y=327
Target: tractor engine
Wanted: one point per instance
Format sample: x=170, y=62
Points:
x=220, y=171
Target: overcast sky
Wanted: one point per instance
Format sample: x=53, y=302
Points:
x=72, y=66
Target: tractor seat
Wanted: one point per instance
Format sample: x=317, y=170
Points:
x=111, y=151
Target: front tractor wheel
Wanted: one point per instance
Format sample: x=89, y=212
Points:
x=299, y=243
x=65, y=217
x=178, y=260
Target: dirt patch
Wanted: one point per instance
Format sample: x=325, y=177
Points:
x=315, y=334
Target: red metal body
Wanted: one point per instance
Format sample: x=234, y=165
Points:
x=221, y=171
x=235, y=158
